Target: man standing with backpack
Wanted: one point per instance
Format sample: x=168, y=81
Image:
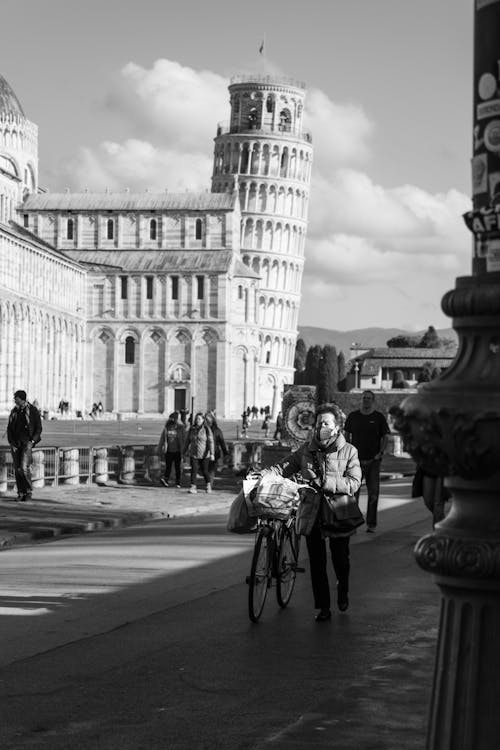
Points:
x=24, y=431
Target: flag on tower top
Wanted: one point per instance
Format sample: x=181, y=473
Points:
x=261, y=48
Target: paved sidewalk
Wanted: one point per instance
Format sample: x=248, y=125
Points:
x=59, y=511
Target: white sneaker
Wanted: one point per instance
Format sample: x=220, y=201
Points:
x=209, y=488
x=193, y=489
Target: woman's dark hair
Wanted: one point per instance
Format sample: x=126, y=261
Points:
x=212, y=420
x=331, y=409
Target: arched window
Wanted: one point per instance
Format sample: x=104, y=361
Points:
x=253, y=118
x=111, y=229
x=269, y=103
x=69, y=229
x=198, y=229
x=153, y=229
x=129, y=350
x=240, y=292
x=285, y=120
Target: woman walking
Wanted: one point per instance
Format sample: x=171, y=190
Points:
x=171, y=444
x=331, y=467
x=200, y=449
x=220, y=448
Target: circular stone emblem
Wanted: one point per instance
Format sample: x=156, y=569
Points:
x=492, y=136
x=487, y=86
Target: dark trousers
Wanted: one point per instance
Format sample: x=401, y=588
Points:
x=434, y=496
x=339, y=549
x=21, y=458
x=212, y=470
x=371, y=474
x=173, y=459
x=199, y=464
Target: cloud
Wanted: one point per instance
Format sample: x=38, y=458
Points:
x=139, y=166
x=361, y=234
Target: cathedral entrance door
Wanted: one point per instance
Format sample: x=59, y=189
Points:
x=179, y=399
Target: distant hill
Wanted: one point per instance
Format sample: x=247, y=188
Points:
x=364, y=337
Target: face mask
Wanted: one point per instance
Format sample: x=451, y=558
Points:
x=326, y=433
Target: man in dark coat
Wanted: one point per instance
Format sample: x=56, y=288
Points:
x=368, y=431
x=24, y=431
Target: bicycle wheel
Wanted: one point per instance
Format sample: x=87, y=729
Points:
x=260, y=574
x=288, y=554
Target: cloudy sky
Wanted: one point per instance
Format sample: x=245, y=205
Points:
x=128, y=94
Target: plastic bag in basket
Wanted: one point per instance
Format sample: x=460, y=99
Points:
x=275, y=497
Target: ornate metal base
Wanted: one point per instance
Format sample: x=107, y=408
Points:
x=452, y=428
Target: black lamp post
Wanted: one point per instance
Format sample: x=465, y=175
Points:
x=452, y=427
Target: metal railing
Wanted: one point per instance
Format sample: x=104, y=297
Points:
x=224, y=128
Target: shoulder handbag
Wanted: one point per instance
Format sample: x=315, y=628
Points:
x=340, y=513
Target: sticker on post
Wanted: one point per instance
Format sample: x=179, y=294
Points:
x=493, y=256
x=479, y=174
x=492, y=135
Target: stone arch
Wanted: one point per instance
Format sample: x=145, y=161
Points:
x=259, y=234
x=266, y=159
x=262, y=198
x=267, y=242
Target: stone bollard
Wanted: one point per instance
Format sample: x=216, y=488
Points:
x=255, y=455
x=237, y=450
x=70, y=466
x=152, y=465
x=3, y=471
x=127, y=473
x=101, y=465
x=38, y=469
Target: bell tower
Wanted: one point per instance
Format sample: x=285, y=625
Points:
x=264, y=151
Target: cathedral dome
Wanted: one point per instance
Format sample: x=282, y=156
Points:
x=8, y=100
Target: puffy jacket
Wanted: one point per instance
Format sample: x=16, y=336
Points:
x=339, y=473
x=200, y=442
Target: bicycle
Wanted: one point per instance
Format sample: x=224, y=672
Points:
x=275, y=556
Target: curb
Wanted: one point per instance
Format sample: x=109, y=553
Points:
x=47, y=533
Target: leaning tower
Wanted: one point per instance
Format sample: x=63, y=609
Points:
x=264, y=152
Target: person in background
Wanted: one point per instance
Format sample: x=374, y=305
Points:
x=220, y=447
x=331, y=467
x=200, y=450
x=244, y=424
x=24, y=431
x=279, y=427
x=266, y=424
x=172, y=441
x=433, y=492
x=367, y=429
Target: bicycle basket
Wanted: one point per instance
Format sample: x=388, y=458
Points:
x=276, y=497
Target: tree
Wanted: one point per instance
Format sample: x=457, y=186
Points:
x=327, y=375
x=430, y=339
x=311, y=371
x=342, y=372
x=300, y=361
x=398, y=380
x=402, y=342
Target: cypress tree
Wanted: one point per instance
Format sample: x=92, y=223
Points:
x=342, y=372
x=328, y=375
x=299, y=361
x=313, y=359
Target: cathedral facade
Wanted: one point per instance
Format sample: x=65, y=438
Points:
x=154, y=302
